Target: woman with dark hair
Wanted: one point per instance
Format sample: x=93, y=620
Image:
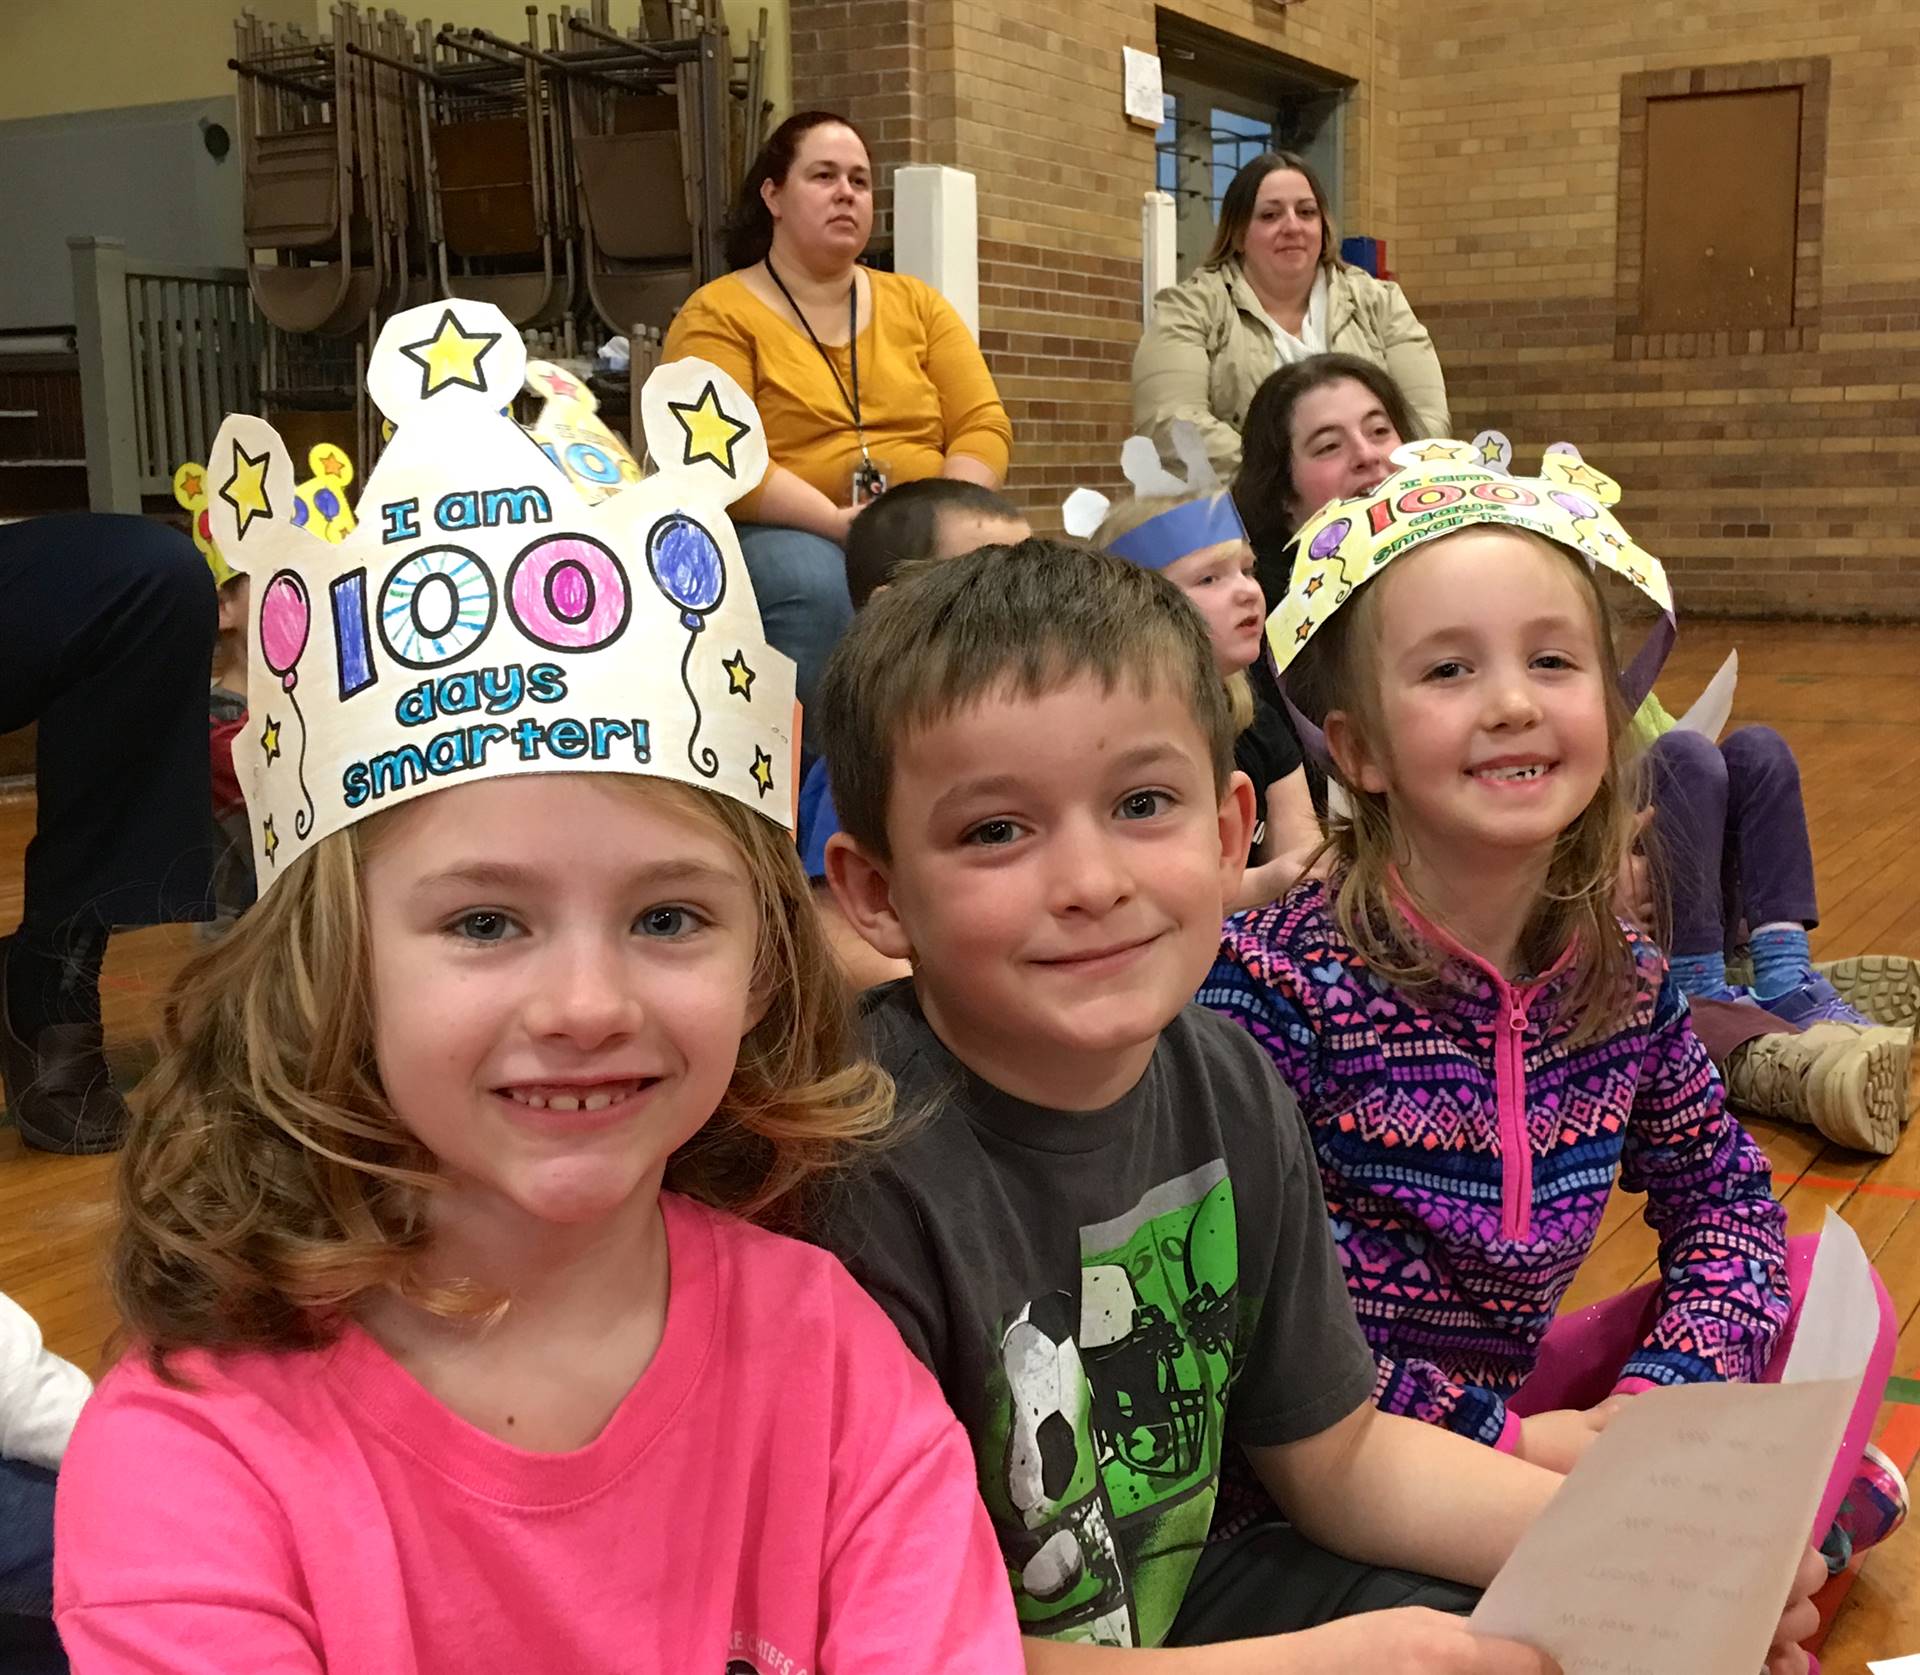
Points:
x=1319, y=430
x=1271, y=291
x=862, y=378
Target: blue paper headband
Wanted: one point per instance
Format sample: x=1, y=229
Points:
x=1181, y=530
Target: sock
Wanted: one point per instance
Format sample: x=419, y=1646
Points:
x=1782, y=960
x=1700, y=974
x=53, y=977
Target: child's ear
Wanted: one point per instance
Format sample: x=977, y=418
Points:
x=1238, y=816
x=1350, y=754
x=865, y=893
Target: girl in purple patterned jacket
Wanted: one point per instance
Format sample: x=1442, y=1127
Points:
x=1477, y=1042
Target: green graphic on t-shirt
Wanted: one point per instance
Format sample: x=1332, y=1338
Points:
x=1103, y=1445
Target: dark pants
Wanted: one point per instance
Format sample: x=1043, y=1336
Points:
x=31, y=1646
x=26, y=1540
x=28, y=1643
x=1731, y=835
x=106, y=640
x=1270, y=1579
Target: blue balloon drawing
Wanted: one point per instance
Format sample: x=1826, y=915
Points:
x=689, y=568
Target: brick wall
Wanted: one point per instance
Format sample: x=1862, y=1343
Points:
x=867, y=59
x=1485, y=143
x=1026, y=95
x=1773, y=483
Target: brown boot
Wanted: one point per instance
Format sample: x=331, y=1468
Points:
x=59, y=1091
x=1848, y=1081
x=1886, y=987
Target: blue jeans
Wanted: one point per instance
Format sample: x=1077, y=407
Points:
x=800, y=581
x=28, y=1644
x=26, y=1539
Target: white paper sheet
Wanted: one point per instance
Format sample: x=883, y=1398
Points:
x=1670, y=1548
x=1840, y=1316
x=1896, y=1666
x=1144, y=102
x=1711, y=709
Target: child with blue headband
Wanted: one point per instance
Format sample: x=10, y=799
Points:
x=1191, y=533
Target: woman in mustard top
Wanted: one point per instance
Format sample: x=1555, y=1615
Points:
x=862, y=379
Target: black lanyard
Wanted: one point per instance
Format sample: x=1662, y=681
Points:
x=850, y=396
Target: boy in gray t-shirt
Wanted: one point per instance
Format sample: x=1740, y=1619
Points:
x=1100, y=1224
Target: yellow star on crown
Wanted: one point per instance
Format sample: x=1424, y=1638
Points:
x=1585, y=477
x=269, y=838
x=739, y=676
x=1313, y=584
x=270, y=738
x=246, y=490
x=190, y=484
x=329, y=459
x=1435, y=450
x=711, y=433
x=450, y=356
x=762, y=770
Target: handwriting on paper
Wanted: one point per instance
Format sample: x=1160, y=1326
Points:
x=1670, y=1549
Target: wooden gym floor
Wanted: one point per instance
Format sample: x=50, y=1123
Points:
x=1847, y=698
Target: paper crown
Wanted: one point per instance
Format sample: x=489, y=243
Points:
x=1206, y=517
x=1444, y=486
x=483, y=620
x=319, y=504
x=569, y=428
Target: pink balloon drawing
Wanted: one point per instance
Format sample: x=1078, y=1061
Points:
x=285, y=618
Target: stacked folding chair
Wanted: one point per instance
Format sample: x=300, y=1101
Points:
x=313, y=260
x=577, y=178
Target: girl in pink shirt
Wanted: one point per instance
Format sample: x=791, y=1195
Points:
x=455, y=1345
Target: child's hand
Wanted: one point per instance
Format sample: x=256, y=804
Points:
x=1799, y=1618
x=1410, y=1641
x=1556, y=1440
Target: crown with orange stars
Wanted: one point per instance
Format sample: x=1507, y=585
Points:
x=575, y=437
x=319, y=504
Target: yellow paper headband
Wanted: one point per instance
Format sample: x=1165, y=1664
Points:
x=1444, y=486
x=319, y=504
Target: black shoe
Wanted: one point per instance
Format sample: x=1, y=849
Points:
x=59, y=1091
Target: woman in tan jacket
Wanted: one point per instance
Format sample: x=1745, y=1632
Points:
x=1271, y=291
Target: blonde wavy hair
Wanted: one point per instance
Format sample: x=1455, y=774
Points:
x=266, y=1185
x=1123, y=518
x=1338, y=670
